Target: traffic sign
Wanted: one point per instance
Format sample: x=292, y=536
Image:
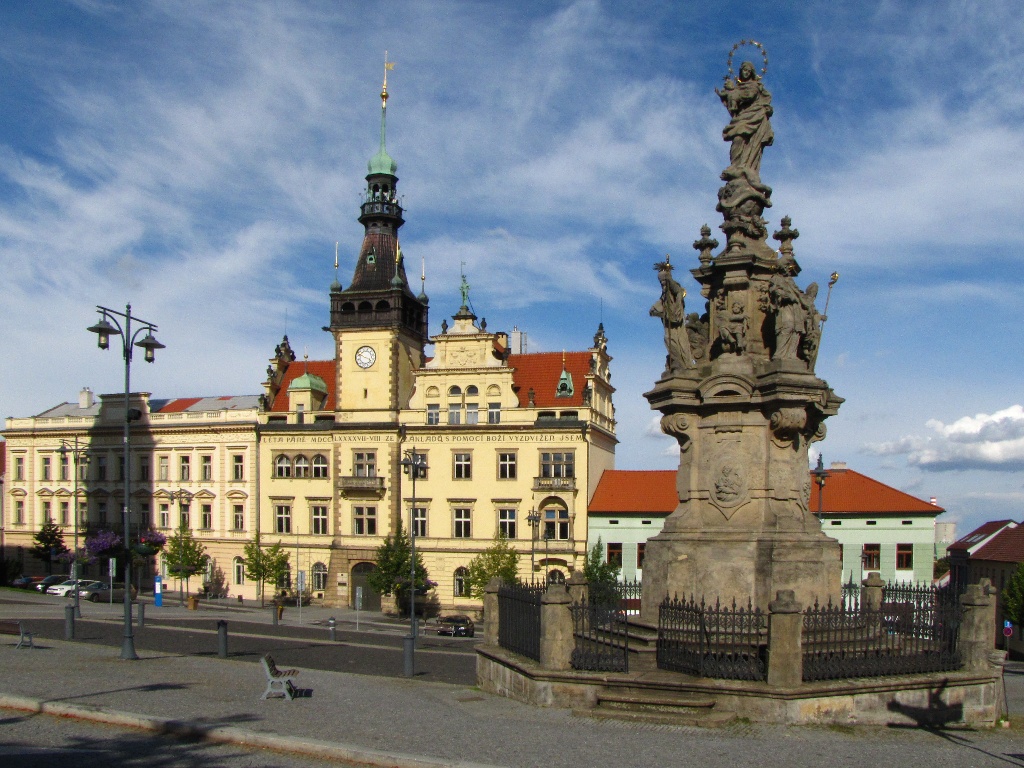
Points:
x=1008, y=631
x=1007, y=624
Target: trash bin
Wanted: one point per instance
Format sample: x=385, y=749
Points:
x=192, y=603
x=280, y=609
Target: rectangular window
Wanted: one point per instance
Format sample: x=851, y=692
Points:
x=364, y=521
x=206, y=467
x=506, y=466
x=206, y=516
x=65, y=509
x=494, y=413
x=365, y=464
x=183, y=516
x=238, y=517
x=641, y=550
x=320, y=466
x=614, y=556
x=507, y=523
x=19, y=512
x=419, y=521
x=319, y=520
x=101, y=512
x=47, y=511
x=101, y=467
x=144, y=520
x=472, y=413
x=163, y=468
x=144, y=468
x=165, y=516
x=455, y=414
x=433, y=414
x=557, y=464
x=19, y=467
x=904, y=557
x=238, y=467
x=872, y=557
x=186, y=468
x=463, y=523
x=45, y=469
x=556, y=524
x=64, y=467
x=463, y=466
x=283, y=518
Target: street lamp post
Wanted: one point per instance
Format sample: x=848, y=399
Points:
x=413, y=463
x=108, y=326
x=820, y=476
x=79, y=456
x=533, y=519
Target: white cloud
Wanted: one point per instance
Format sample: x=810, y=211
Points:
x=985, y=441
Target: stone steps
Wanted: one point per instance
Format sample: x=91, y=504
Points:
x=659, y=707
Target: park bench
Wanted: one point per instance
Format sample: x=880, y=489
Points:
x=17, y=628
x=279, y=680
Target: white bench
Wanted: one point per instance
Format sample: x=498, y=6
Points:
x=278, y=680
x=17, y=628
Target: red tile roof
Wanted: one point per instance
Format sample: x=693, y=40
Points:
x=322, y=368
x=624, y=491
x=849, y=492
x=846, y=491
x=179, y=405
x=979, y=534
x=1007, y=546
x=541, y=372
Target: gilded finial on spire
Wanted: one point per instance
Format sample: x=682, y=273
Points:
x=388, y=65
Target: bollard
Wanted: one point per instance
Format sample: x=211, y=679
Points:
x=142, y=615
x=222, y=639
x=69, y=622
x=331, y=623
x=273, y=612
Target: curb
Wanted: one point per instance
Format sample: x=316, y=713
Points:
x=183, y=729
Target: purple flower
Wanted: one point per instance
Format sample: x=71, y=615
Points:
x=103, y=544
x=153, y=539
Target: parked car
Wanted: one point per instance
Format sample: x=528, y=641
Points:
x=99, y=591
x=26, y=582
x=65, y=588
x=45, y=584
x=456, y=626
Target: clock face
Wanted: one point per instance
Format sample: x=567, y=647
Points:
x=365, y=357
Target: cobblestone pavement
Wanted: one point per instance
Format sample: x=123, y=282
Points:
x=397, y=718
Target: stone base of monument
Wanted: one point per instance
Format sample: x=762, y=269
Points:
x=740, y=565
x=947, y=699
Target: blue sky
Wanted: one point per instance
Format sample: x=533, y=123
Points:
x=200, y=160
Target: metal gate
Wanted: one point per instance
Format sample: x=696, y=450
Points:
x=602, y=637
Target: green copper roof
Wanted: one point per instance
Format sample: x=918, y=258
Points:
x=382, y=161
x=308, y=381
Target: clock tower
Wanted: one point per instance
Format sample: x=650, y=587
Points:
x=379, y=326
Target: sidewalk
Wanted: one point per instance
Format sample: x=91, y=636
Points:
x=401, y=722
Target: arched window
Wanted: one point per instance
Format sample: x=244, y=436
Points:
x=433, y=392
x=239, y=571
x=319, y=577
x=320, y=466
x=301, y=465
x=454, y=391
x=282, y=467
x=461, y=587
x=555, y=576
x=472, y=391
x=493, y=391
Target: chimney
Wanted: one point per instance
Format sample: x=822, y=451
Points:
x=933, y=501
x=839, y=466
x=85, y=399
x=518, y=341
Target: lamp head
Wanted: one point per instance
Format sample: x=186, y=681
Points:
x=151, y=345
x=104, y=330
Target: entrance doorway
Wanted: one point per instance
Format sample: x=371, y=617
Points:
x=371, y=598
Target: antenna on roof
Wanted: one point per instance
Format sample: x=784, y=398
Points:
x=335, y=258
x=305, y=359
x=286, y=322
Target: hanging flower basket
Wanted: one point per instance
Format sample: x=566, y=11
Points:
x=150, y=542
x=104, y=544
x=144, y=550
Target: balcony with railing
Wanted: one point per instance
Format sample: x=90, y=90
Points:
x=361, y=486
x=554, y=484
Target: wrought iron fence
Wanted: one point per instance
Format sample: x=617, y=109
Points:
x=915, y=629
x=602, y=637
x=519, y=619
x=851, y=593
x=728, y=642
x=621, y=595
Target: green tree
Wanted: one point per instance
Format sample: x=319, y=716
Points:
x=499, y=559
x=391, y=576
x=184, y=556
x=597, y=569
x=49, y=544
x=263, y=565
x=1013, y=597
x=941, y=567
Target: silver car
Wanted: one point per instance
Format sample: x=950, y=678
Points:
x=66, y=588
x=99, y=591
